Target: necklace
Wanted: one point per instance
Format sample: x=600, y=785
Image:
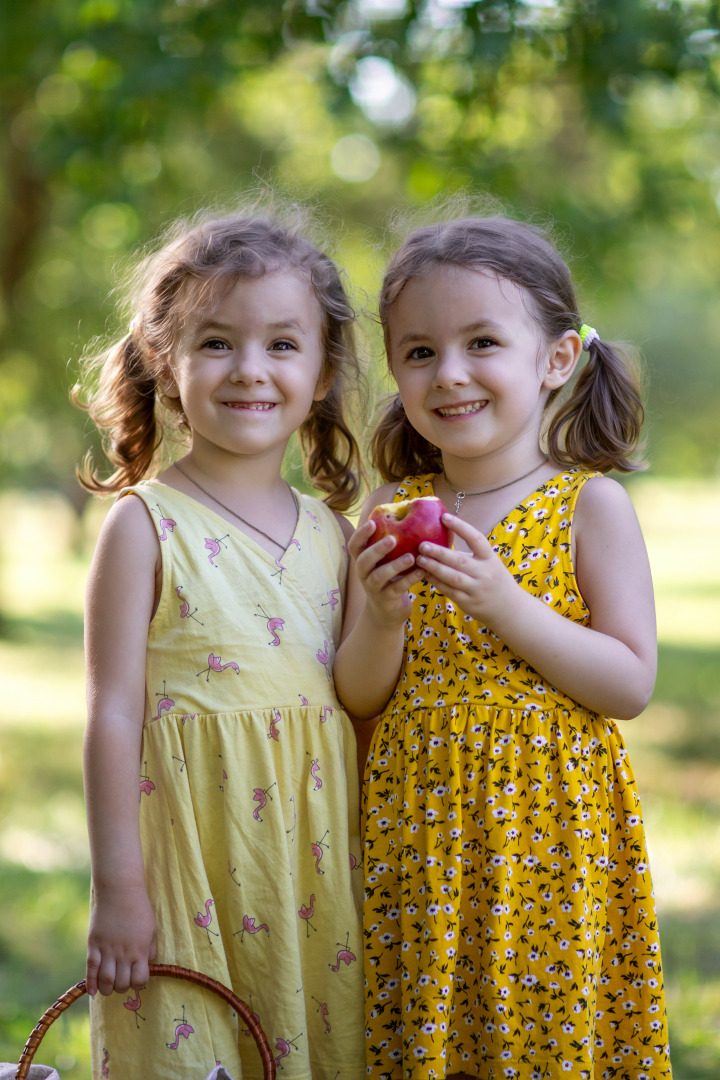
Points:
x=460, y=495
x=255, y=528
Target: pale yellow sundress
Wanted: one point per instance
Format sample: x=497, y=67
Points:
x=509, y=919
x=248, y=808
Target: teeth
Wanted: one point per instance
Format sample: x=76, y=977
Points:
x=257, y=407
x=461, y=410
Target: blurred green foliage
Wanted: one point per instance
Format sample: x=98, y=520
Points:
x=118, y=115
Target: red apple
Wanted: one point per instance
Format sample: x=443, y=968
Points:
x=410, y=521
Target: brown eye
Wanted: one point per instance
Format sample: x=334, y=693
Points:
x=422, y=352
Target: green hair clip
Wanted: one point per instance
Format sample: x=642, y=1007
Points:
x=588, y=334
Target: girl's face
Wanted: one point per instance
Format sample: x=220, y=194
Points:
x=472, y=367
x=248, y=370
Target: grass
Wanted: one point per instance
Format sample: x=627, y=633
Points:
x=44, y=875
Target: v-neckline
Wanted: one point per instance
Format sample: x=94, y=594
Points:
x=293, y=542
x=491, y=533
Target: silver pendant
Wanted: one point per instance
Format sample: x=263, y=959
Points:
x=459, y=496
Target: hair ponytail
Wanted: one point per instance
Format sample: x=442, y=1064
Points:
x=600, y=425
x=398, y=450
x=331, y=452
x=122, y=406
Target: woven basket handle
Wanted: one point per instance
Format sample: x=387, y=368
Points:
x=66, y=1000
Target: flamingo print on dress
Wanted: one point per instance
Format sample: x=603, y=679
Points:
x=249, y=927
x=166, y=524
x=307, y=913
x=215, y=664
x=183, y=1029
x=333, y=599
x=133, y=1005
x=261, y=796
x=185, y=612
x=273, y=624
x=283, y=1045
x=273, y=733
x=104, y=1063
x=146, y=784
x=344, y=956
x=317, y=850
x=215, y=547
x=314, y=770
x=205, y=920
x=325, y=712
x=324, y=1013
x=323, y=655
x=281, y=566
x=165, y=704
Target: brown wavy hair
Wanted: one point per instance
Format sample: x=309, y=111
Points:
x=120, y=385
x=598, y=426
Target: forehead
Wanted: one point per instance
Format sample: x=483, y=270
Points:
x=281, y=294
x=449, y=295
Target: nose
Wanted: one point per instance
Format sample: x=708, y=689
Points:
x=249, y=364
x=450, y=369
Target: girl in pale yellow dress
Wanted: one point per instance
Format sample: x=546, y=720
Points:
x=220, y=768
x=509, y=920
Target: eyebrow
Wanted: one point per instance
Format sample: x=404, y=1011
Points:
x=280, y=324
x=486, y=326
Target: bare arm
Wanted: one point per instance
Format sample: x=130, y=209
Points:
x=370, y=654
x=608, y=666
x=119, y=606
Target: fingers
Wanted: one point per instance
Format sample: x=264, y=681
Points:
x=92, y=968
x=108, y=975
x=139, y=974
x=475, y=540
x=368, y=557
x=360, y=538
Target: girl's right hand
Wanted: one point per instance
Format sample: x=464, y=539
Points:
x=387, y=587
x=121, y=942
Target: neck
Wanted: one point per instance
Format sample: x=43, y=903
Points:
x=255, y=477
x=477, y=474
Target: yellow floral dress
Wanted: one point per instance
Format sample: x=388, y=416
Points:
x=249, y=809
x=509, y=921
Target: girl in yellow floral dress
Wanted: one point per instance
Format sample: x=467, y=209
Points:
x=509, y=920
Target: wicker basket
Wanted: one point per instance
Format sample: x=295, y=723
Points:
x=66, y=1000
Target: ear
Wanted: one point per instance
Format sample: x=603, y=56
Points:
x=562, y=359
x=166, y=383
x=325, y=381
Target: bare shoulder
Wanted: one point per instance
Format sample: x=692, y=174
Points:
x=611, y=560
x=384, y=494
x=604, y=504
x=128, y=534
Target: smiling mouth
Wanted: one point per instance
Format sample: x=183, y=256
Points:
x=252, y=406
x=462, y=410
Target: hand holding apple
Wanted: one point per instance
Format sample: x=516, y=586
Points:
x=410, y=521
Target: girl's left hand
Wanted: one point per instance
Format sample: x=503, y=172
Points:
x=477, y=581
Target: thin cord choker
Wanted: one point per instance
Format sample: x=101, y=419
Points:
x=255, y=528
x=460, y=495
